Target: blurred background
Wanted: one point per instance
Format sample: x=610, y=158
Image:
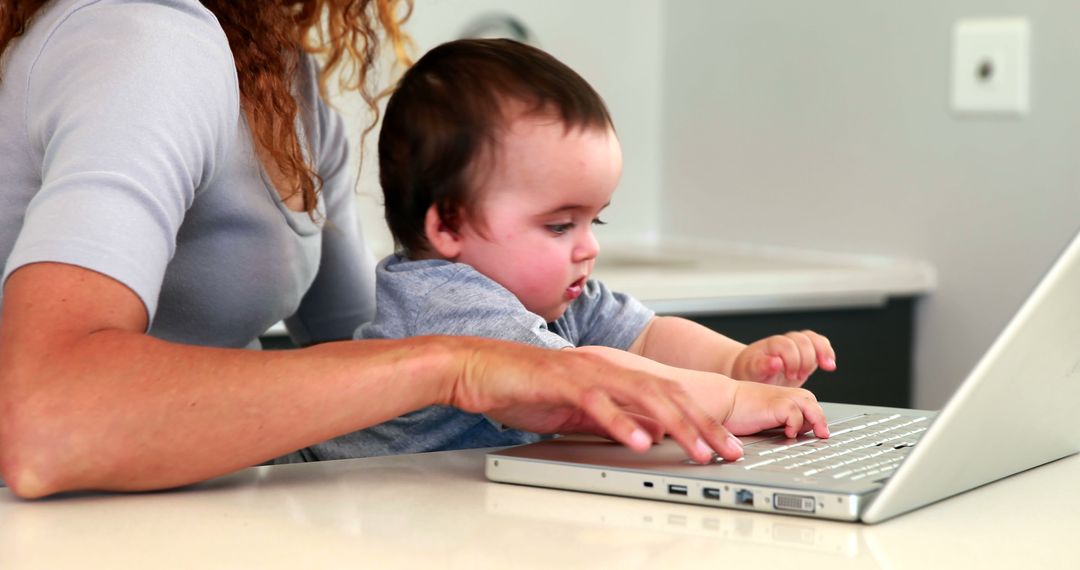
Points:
x=825, y=126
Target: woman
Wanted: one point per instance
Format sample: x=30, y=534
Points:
x=172, y=183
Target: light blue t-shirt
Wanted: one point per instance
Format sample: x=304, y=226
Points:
x=124, y=151
x=431, y=296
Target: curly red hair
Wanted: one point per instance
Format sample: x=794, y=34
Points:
x=267, y=39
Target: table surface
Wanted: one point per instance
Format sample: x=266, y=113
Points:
x=436, y=510
x=727, y=277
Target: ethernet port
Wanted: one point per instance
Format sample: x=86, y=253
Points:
x=744, y=497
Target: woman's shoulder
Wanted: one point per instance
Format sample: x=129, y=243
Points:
x=150, y=26
x=175, y=11
x=153, y=49
x=150, y=58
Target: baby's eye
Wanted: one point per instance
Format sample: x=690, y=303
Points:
x=559, y=229
x=599, y=222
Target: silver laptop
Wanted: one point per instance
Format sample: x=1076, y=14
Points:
x=1016, y=410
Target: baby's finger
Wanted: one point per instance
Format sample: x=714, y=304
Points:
x=812, y=412
x=826, y=356
x=787, y=412
x=766, y=366
x=807, y=353
x=786, y=348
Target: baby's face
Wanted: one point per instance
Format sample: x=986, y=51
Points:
x=538, y=202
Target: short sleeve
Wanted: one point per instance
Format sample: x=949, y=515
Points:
x=133, y=106
x=602, y=317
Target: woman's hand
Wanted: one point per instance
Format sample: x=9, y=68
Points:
x=552, y=391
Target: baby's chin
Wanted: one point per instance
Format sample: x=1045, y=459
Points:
x=552, y=314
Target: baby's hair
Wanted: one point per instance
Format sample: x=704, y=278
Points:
x=447, y=111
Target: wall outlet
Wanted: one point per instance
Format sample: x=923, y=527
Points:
x=990, y=67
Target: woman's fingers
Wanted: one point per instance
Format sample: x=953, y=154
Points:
x=616, y=422
x=524, y=385
x=695, y=431
x=638, y=411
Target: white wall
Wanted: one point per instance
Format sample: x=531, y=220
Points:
x=614, y=44
x=823, y=125
x=826, y=125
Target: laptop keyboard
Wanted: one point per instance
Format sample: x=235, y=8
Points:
x=869, y=445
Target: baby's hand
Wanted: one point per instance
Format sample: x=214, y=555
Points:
x=785, y=360
x=759, y=407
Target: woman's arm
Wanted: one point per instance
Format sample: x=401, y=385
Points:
x=88, y=401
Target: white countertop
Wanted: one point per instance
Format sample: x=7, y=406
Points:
x=436, y=510
x=720, y=278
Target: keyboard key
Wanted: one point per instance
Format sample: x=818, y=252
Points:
x=869, y=444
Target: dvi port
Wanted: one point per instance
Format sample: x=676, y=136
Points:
x=793, y=503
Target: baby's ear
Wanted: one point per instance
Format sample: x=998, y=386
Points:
x=443, y=238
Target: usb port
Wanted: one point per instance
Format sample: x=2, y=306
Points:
x=677, y=489
x=711, y=493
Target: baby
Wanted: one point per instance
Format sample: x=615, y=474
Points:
x=496, y=161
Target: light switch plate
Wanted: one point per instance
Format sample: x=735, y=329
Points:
x=990, y=67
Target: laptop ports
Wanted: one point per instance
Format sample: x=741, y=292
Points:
x=677, y=490
x=744, y=497
x=711, y=493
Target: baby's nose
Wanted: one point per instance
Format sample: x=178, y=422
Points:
x=587, y=248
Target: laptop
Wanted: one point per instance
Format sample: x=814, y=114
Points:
x=1016, y=410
